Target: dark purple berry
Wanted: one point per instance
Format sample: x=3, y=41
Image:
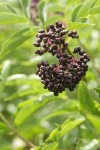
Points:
x=69, y=70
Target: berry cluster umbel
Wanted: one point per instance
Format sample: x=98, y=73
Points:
x=69, y=70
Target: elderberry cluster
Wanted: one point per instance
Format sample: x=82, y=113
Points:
x=69, y=70
x=53, y=40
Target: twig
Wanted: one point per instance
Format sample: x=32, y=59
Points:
x=7, y=122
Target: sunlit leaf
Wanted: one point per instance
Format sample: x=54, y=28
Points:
x=75, y=11
x=70, y=125
x=3, y=8
x=94, y=10
x=78, y=25
x=95, y=121
x=5, y=69
x=65, y=108
x=86, y=101
x=33, y=114
x=98, y=91
x=34, y=104
x=91, y=145
x=83, y=11
x=61, y=130
x=93, y=3
x=54, y=7
x=9, y=18
x=24, y=5
x=3, y=127
x=52, y=19
x=17, y=39
x=50, y=146
x=41, y=10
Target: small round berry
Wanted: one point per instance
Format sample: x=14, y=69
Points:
x=37, y=52
x=70, y=33
x=55, y=93
x=58, y=55
x=81, y=52
x=74, y=32
x=78, y=48
x=65, y=44
x=59, y=24
x=65, y=55
x=41, y=31
x=36, y=44
x=51, y=26
x=77, y=36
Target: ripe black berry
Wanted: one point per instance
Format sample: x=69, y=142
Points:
x=69, y=70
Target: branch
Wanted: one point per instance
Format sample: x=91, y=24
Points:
x=7, y=122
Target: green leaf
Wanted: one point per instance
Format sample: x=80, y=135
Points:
x=95, y=10
x=2, y=126
x=65, y=108
x=70, y=125
x=67, y=126
x=52, y=19
x=78, y=25
x=17, y=39
x=20, y=79
x=86, y=101
x=9, y=18
x=98, y=91
x=32, y=81
x=75, y=11
x=84, y=20
x=54, y=7
x=93, y=3
x=91, y=145
x=24, y=5
x=83, y=11
x=5, y=69
x=50, y=146
x=14, y=37
x=20, y=94
x=95, y=121
x=41, y=11
x=32, y=106
x=3, y=8
x=11, y=8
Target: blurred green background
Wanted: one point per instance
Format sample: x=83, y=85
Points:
x=29, y=114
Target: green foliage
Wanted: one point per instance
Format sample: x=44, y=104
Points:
x=29, y=114
x=95, y=10
x=86, y=101
x=74, y=14
x=83, y=11
x=17, y=39
x=9, y=18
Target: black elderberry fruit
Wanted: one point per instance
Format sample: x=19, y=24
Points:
x=69, y=70
x=37, y=52
x=65, y=55
x=81, y=52
x=74, y=32
x=70, y=33
x=58, y=55
x=41, y=31
x=37, y=44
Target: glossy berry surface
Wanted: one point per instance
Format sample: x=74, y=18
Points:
x=70, y=69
